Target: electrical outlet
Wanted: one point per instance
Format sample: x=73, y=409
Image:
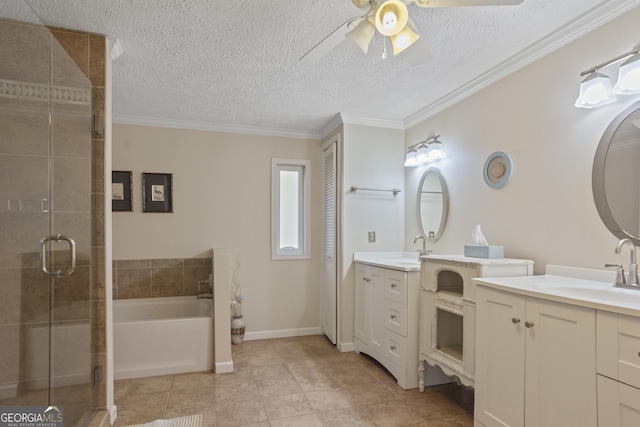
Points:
x=372, y=236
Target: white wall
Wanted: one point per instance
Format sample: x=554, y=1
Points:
x=221, y=190
x=371, y=158
x=546, y=213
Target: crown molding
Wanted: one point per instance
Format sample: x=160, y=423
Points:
x=365, y=121
x=342, y=118
x=212, y=127
x=570, y=32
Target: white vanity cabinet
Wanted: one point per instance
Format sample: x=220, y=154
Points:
x=618, y=367
x=448, y=310
x=386, y=319
x=369, y=299
x=535, y=362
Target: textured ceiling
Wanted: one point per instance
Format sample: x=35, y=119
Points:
x=236, y=63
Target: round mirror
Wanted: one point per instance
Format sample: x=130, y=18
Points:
x=433, y=204
x=616, y=176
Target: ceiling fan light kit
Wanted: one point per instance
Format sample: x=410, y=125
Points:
x=391, y=19
x=362, y=34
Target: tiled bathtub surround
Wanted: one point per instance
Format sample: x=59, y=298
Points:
x=150, y=278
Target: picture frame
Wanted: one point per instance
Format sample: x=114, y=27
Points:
x=157, y=192
x=121, y=200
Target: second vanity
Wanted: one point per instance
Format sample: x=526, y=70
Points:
x=387, y=289
x=559, y=349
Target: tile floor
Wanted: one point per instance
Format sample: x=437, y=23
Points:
x=303, y=381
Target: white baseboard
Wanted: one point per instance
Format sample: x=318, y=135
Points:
x=346, y=346
x=113, y=414
x=282, y=333
x=224, y=367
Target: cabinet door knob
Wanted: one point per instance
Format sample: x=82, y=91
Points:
x=515, y=320
x=393, y=316
x=393, y=285
x=528, y=324
x=393, y=347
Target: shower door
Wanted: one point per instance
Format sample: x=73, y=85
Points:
x=45, y=221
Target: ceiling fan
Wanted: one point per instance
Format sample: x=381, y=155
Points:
x=391, y=19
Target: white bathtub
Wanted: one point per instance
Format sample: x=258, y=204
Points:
x=162, y=336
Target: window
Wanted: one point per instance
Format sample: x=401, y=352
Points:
x=290, y=200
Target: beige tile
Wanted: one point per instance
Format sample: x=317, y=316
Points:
x=291, y=405
x=244, y=411
x=275, y=371
x=352, y=374
x=310, y=420
x=316, y=380
x=120, y=389
x=236, y=391
x=133, y=263
x=278, y=386
x=97, y=56
x=144, y=404
x=355, y=417
x=393, y=414
x=134, y=283
x=366, y=394
x=330, y=400
x=166, y=281
x=435, y=407
x=202, y=397
x=150, y=385
x=193, y=380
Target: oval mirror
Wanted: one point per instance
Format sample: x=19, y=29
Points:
x=616, y=176
x=433, y=204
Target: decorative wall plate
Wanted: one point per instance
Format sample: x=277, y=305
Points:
x=498, y=169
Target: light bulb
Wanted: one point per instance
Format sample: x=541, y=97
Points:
x=389, y=20
x=595, y=90
x=628, y=76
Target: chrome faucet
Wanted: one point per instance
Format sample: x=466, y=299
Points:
x=422, y=251
x=633, y=267
x=209, y=283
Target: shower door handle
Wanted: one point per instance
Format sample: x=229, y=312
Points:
x=72, y=254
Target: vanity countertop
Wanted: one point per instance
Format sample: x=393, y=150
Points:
x=461, y=259
x=577, y=289
x=404, y=261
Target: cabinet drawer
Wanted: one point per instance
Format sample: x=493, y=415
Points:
x=395, y=286
x=618, y=351
x=395, y=317
x=618, y=404
x=395, y=348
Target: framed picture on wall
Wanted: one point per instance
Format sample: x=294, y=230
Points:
x=121, y=191
x=157, y=192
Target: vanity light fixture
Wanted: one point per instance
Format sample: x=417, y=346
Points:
x=424, y=152
x=595, y=89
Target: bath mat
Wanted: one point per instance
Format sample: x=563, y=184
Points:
x=188, y=421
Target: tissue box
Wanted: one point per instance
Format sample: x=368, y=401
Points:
x=480, y=251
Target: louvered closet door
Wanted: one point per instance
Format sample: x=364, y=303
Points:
x=329, y=300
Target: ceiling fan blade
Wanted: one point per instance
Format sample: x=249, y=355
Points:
x=331, y=41
x=452, y=3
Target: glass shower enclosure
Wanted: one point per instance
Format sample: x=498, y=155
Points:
x=45, y=221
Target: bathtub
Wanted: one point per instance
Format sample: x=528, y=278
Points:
x=162, y=336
